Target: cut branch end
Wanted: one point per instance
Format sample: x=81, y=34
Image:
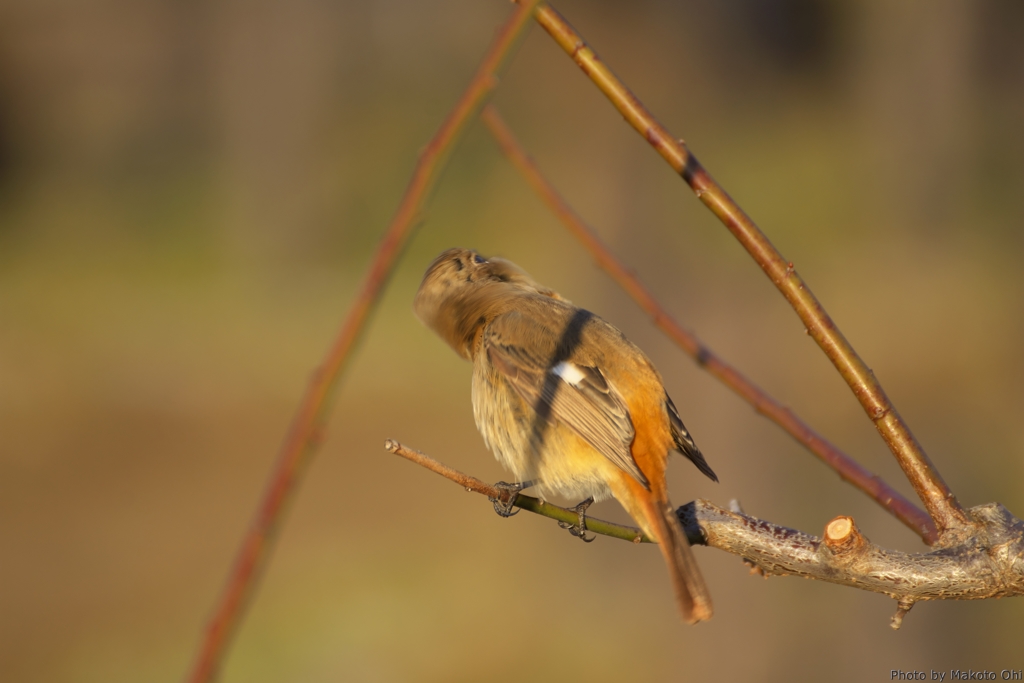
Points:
x=842, y=536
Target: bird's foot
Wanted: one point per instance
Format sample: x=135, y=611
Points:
x=507, y=498
x=579, y=529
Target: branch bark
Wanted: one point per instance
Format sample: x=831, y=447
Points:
x=306, y=430
x=938, y=500
x=989, y=564
x=846, y=467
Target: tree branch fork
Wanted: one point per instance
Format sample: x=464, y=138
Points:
x=987, y=564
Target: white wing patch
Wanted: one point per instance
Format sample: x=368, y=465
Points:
x=569, y=373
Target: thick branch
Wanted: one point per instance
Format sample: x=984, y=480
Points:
x=847, y=468
x=989, y=564
x=306, y=429
x=943, y=507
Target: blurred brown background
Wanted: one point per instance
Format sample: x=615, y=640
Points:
x=189, y=195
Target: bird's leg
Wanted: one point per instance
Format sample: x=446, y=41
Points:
x=504, y=502
x=579, y=529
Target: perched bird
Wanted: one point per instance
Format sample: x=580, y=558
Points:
x=564, y=400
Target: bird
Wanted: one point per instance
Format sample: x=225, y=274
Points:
x=565, y=401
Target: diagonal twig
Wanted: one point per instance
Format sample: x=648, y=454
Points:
x=938, y=500
x=535, y=505
x=847, y=468
x=306, y=430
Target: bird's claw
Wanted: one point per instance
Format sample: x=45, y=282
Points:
x=579, y=529
x=504, y=503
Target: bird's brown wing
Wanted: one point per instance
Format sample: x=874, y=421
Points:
x=560, y=391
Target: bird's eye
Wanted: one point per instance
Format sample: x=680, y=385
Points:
x=479, y=259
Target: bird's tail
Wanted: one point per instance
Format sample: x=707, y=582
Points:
x=691, y=592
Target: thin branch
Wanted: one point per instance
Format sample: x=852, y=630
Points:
x=847, y=468
x=989, y=564
x=535, y=505
x=307, y=426
x=939, y=501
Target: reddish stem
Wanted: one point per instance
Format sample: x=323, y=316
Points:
x=847, y=468
x=307, y=426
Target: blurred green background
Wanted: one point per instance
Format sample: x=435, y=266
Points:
x=190, y=193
